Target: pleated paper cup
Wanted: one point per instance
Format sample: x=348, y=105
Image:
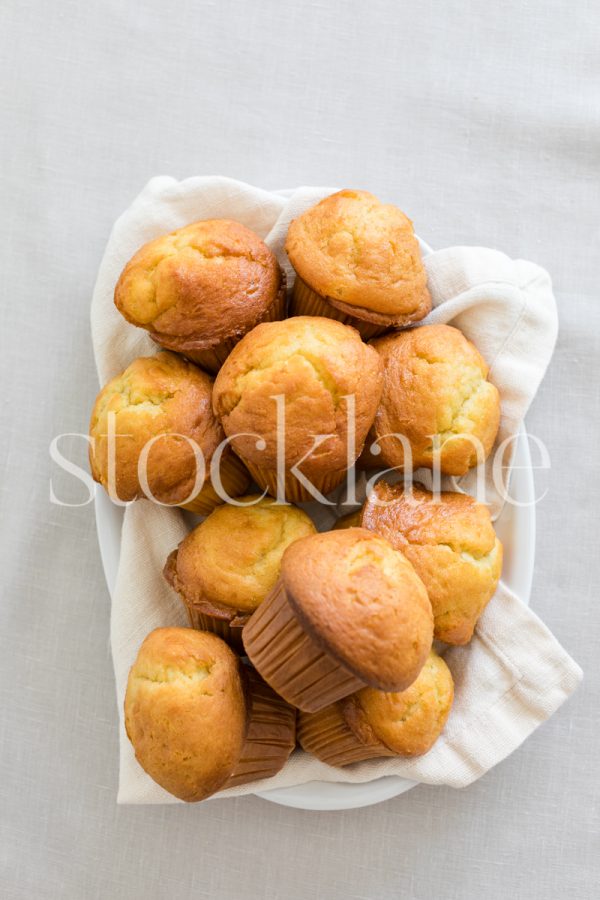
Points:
x=306, y=302
x=235, y=480
x=295, y=492
x=271, y=735
x=327, y=735
x=227, y=624
x=295, y=666
x=204, y=615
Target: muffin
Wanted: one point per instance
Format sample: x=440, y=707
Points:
x=198, y=720
x=186, y=711
x=199, y=289
x=358, y=261
x=348, y=611
x=436, y=395
x=161, y=405
x=313, y=431
x=371, y=723
x=452, y=545
x=227, y=565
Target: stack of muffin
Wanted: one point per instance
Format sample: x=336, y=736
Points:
x=322, y=636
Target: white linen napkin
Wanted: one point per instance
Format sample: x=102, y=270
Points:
x=514, y=674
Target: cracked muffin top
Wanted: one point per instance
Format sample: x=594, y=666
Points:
x=360, y=253
x=162, y=398
x=199, y=285
x=409, y=722
x=233, y=558
x=362, y=601
x=450, y=541
x=185, y=711
x=312, y=365
x=437, y=396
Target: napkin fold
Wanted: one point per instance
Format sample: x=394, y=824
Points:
x=514, y=674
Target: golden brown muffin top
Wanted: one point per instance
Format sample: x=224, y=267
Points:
x=363, y=602
x=417, y=516
x=361, y=253
x=452, y=545
x=408, y=722
x=198, y=285
x=233, y=558
x=435, y=388
x=186, y=711
x=314, y=363
x=155, y=395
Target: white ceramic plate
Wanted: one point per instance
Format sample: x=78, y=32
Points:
x=516, y=530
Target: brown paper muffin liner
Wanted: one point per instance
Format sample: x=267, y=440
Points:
x=229, y=628
x=306, y=302
x=290, y=661
x=327, y=736
x=212, y=358
x=294, y=491
x=235, y=480
x=271, y=734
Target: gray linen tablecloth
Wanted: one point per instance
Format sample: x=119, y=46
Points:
x=482, y=121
